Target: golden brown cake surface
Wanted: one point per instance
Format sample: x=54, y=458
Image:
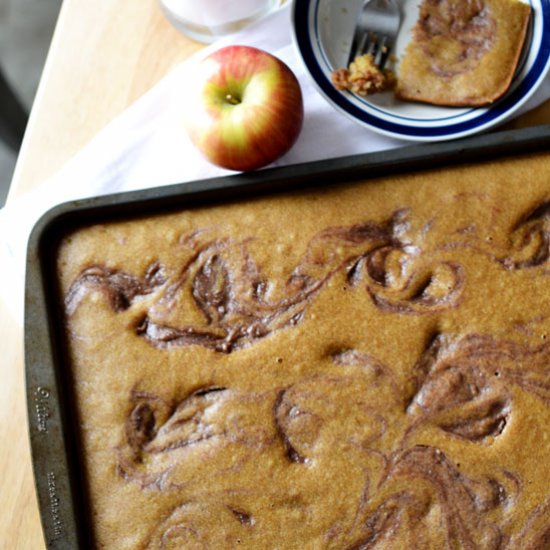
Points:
x=463, y=52
x=357, y=367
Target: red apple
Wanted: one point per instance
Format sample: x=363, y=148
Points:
x=244, y=108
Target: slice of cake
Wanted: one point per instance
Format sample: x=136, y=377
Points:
x=463, y=52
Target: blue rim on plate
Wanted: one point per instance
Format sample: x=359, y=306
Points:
x=307, y=20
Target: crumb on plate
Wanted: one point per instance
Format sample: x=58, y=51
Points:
x=363, y=77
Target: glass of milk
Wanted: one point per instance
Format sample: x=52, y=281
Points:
x=207, y=20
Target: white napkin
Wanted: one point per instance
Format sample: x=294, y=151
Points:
x=146, y=146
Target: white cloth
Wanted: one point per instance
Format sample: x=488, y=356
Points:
x=146, y=146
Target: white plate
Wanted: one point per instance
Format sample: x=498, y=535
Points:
x=322, y=35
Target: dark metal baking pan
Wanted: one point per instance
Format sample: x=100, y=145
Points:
x=54, y=439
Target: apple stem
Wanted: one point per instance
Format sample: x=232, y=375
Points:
x=232, y=99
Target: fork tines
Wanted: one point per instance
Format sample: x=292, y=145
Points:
x=370, y=43
x=376, y=30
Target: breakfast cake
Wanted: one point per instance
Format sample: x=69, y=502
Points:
x=359, y=366
x=463, y=52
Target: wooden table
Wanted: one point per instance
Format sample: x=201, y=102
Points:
x=103, y=56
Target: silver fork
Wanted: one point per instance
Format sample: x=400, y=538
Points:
x=376, y=30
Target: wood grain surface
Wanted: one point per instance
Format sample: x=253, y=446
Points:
x=104, y=55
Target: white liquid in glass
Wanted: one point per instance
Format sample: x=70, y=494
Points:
x=206, y=20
